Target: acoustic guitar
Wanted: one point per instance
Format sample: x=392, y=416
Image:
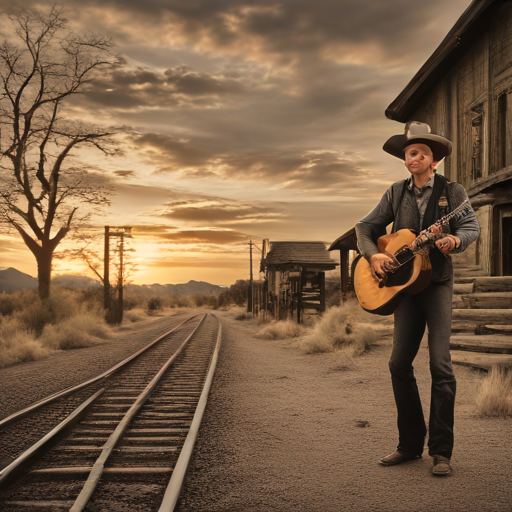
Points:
x=412, y=271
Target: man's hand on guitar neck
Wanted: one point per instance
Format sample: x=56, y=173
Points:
x=380, y=264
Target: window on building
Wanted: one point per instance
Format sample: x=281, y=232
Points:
x=477, y=126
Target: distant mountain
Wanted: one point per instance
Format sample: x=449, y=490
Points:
x=174, y=290
x=12, y=279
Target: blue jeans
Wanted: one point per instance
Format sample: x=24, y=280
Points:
x=431, y=307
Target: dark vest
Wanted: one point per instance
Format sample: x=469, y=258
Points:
x=408, y=217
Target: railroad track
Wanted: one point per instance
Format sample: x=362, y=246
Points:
x=126, y=443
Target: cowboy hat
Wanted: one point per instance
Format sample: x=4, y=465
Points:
x=418, y=133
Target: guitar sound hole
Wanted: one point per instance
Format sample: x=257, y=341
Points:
x=401, y=276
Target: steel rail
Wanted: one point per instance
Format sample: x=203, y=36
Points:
x=61, y=394
x=98, y=467
x=38, y=447
x=173, y=490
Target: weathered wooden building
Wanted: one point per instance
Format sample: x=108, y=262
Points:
x=295, y=277
x=464, y=92
x=345, y=244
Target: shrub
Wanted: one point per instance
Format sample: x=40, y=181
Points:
x=281, y=330
x=244, y=315
x=83, y=330
x=18, y=345
x=184, y=301
x=62, y=304
x=494, y=397
x=338, y=329
x=155, y=303
x=134, y=316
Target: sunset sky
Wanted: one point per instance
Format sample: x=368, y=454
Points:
x=238, y=119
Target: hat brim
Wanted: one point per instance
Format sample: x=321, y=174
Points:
x=440, y=146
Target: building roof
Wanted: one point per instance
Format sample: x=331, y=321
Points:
x=457, y=40
x=300, y=254
x=346, y=241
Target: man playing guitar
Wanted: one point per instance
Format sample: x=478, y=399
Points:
x=416, y=203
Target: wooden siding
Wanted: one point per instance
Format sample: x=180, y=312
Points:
x=472, y=88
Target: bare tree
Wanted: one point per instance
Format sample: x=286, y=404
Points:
x=41, y=66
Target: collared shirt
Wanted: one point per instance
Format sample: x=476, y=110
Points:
x=422, y=195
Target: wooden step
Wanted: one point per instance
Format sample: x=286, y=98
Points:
x=458, y=302
x=484, y=316
x=463, y=280
x=498, y=329
x=459, y=288
x=482, y=361
x=469, y=272
x=493, y=284
x=489, y=300
x=492, y=344
x=464, y=326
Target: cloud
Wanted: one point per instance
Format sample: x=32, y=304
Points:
x=221, y=212
x=125, y=87
x=205, y=236
x=369, y=30
x=164, y=233
x=125, y=174
x=299, y=170
x=197, y=263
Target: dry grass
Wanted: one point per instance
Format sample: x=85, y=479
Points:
x=494, y=397
x=18, y=345
x=281, y=330
x=134, y=315
x=338, y=329
x=31, y=329
x=82, y=330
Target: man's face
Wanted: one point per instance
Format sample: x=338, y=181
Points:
x=419, y=159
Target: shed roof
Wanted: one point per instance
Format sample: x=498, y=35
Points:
x=346, y=241
x=458, y=39
x=303, y=254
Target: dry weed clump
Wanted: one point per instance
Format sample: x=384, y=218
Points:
x=494, y=397
x=18, y=345
x=134, y=315
x=31, y=329
x=281, y=330
x=82, y=330
x=339, y=329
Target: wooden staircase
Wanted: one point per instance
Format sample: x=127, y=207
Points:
x=481, y=319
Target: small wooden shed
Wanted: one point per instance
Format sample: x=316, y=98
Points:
x=345, y=243
x=295, y=276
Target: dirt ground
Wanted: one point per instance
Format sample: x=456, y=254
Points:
x=281, y=432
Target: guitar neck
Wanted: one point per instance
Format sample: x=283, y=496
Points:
x=463, y=209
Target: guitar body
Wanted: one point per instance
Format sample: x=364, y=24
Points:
x=411, y=278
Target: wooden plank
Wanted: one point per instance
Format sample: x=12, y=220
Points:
x=499, y=329
x=459, y=288
x=493, y=284
x=484, y=316
x=79, y=470
x=489, y=300
x=483, y=361
x=493, y=344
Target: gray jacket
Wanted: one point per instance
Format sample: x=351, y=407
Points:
x=406, y=216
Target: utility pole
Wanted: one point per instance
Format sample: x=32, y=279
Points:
x=120, y=292
x=251, y=285
x=121, y=232
x=106, y=273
